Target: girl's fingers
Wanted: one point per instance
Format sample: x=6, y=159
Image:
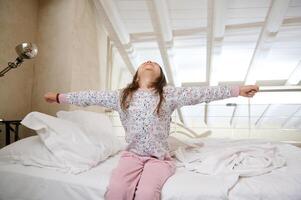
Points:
x=250, y=94
x=251, y=91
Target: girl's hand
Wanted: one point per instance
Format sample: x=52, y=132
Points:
x=50, y=97
x=248, y=90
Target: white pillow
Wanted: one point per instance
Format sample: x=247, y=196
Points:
x=97, y=127
x=66, y=141
x=30, y=151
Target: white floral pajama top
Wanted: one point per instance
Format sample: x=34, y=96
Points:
x=145, y=133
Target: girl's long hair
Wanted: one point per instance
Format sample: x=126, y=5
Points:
x=128, y=91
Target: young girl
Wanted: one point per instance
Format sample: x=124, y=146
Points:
x=145, y=107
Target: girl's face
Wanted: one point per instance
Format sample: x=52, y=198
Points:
x=149, y=68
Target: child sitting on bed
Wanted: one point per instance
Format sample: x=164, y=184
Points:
x=145, y=107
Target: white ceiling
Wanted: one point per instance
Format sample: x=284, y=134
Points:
x=253, y=42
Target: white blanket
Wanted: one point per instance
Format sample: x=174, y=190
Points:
x=37, y=183
x=231, y=159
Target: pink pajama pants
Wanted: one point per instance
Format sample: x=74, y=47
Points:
x=139, y=177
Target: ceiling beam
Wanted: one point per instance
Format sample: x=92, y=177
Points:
x=218, y=20
x=156, y=14
x=219, y=24
x=290, y=117
x=196, y=32
x=233, y=115
x=109, y=64
x=108, y=14
x=295, y=76
x=262, y=115
x=282, y=88
x=209, y=50
x=115, y=19
x=210, y=40
x=273, y=21
x=159, y=13
x=163, y=20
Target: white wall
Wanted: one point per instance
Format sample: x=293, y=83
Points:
x=18, y=23
x=72, y=54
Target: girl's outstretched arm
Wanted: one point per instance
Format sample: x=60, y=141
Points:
x=184, y=96
x=105, y=98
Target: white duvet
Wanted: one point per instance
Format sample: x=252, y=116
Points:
x=244, y=159
x=231, y=159
x=37, y=183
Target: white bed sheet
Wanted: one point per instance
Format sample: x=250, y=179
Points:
x=32, y=183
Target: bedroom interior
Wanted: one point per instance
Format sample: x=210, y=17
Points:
x=244, y=33
x=99, y=44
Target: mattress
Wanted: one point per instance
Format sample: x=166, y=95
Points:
x=32, y=183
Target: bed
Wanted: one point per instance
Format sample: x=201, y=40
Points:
x=30, y=182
